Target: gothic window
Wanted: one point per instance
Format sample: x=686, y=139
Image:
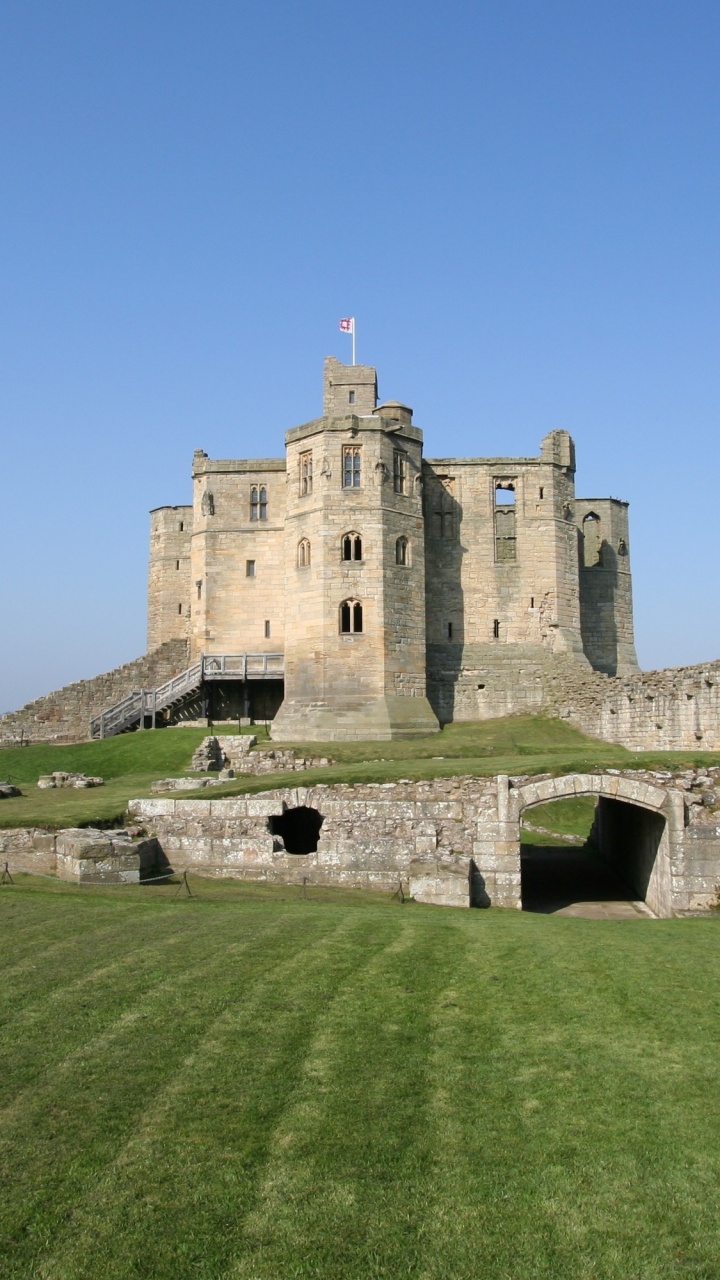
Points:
x=402, y=551
x=306, y=473
x=303, y=556
x=351, y=547
x=505, y=523
x=352, y=457
x=592, y=540
x=258, y=502
x=351, y=617
x=444, y=508
x=399, y=471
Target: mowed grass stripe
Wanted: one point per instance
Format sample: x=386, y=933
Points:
x=73, y=1010
x=571, y=1165
x=225, y=1097
x=61, y=1131
x=350, y=1159
x=323, y=1091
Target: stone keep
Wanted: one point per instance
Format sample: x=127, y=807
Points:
x=402, y=591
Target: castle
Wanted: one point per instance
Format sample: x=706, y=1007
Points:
x=393, y=592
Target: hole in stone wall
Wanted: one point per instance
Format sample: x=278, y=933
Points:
x=299, y=829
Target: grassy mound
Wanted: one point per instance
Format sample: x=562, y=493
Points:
x=247, y=1084
x=131, y=762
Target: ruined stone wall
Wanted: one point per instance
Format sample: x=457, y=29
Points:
x=677, y=709
x=606, y=616
x=169, y=602
x=237, y=573
x=457, y=840
x=372, y=836
x=64, y=716
x=501, y=550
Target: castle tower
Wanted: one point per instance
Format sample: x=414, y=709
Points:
x=354, y=570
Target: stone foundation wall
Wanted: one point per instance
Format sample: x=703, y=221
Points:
x=64, y=716
x=372, y=836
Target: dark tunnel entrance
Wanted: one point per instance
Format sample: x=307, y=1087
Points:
x=297, y=830
x=619, y=865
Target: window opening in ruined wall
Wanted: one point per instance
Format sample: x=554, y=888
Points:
x=351, y=547
x=444, y=503
x=399, y=471
x=402, y=551
x=505, y=524
x=258, y=503
x=592, y=540
x=352, y=463
x=351, y=617
x=303, y=555
x=306, y=473
x=297, y=830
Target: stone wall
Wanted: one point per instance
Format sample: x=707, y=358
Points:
x=677, y=709
x=64, y=716
x=454, y=841
x=79, y=854
x=372, y=836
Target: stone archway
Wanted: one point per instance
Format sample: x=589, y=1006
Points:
x=636, y=828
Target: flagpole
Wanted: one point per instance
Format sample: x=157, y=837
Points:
x=353, y=338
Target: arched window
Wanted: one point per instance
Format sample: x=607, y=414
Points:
x=351, y=547
x=402, y=551
x=592, y=540
x=505, y=524
x=303, y=554
x=258, y=502
x=351, y=617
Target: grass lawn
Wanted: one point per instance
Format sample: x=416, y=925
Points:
x=131, y=762
x=248, y=1085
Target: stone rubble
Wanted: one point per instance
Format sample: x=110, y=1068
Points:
x=62, y=779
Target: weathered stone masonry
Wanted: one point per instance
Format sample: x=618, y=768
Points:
x=457, y=840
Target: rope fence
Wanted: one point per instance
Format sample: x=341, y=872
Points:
x=179, y=880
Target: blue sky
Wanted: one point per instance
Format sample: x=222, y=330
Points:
x=518, y=200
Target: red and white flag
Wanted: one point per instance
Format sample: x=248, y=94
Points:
x=347, y=325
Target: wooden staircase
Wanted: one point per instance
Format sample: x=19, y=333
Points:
x=142, y=704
